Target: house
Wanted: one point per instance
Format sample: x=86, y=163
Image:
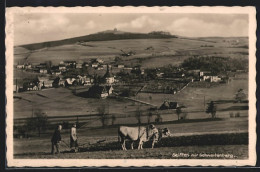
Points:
x=109, y=89
x=169, y=105
x=62, y=67
x=69, y=63
x=42, y=66
x=20, y=66
x=94, y=65
x=45, y=82
x=56, y=72
x=83, y=80
x=58, y=82
x=100, y=61
x=44, y=71
x=15, y=88
x=97, y=91
x=31, y=86
x=85, y=64
x=120, y=66
x=142, y=71
x=160, y=75
x=62, y=82
x=100, y=68
x=70, y=81
x=79, y=65
x=202, y=73
x=28, y=66
x=87, y=81
x=211, y=78
x=110, y=79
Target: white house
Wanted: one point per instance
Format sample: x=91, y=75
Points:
x=110, y=79
x=20, y=66
x=44, y=71
x=120, y=66
x=211, y=78
x=94, y=65
x=62, y=67
x=79, y=65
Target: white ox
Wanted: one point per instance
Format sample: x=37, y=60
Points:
x=143, y=134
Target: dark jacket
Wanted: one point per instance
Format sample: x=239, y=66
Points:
x=56, y=136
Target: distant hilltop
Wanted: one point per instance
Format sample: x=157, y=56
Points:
x=101, y=36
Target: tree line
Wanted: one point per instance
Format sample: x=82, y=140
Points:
x=215, y=64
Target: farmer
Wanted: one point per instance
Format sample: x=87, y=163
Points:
x=73, y=138
x=56, y=139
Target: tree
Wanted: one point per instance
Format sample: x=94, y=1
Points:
x=240, y=95
x=113, y=118
x=48, y=65
x=212, y=109
x=138, y=114
x=102, y=115
x=39, y=122
x=150, y=115
x=158, y=117
x=178, y=112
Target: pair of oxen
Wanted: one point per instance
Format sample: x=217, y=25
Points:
x=141, y=134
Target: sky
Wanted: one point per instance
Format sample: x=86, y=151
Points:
x=39, y=27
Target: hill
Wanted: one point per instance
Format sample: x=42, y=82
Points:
x=100, y=36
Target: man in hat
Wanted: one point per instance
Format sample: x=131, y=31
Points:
x=56, y=140
x=73, y=138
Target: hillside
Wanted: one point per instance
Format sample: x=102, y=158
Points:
x=100, y=36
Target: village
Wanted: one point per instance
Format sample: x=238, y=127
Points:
x=101, y=77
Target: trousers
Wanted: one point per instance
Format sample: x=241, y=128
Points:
x=53, y=145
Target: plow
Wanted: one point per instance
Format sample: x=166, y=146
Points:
x=82, y=146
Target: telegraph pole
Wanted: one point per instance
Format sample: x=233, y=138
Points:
x=204, y=102
x=16, y=90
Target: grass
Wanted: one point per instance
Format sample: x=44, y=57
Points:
x=238, y=152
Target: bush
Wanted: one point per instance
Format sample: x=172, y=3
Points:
x=65, y=124
x=231, y=114
x=237, y=114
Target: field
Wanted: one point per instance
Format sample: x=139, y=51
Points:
x=164, y=52
x=231, y=151
x=62, y=102
x=199, y=137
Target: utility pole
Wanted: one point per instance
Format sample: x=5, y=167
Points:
x=204, y=102
x=16, y=90
x=32, y=110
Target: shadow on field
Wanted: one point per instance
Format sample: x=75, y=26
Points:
x=196, y=140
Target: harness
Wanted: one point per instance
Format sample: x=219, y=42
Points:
x=147, y=133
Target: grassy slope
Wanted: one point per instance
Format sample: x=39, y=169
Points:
x=170, y=50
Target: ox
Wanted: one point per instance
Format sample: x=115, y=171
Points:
x=143, y=134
